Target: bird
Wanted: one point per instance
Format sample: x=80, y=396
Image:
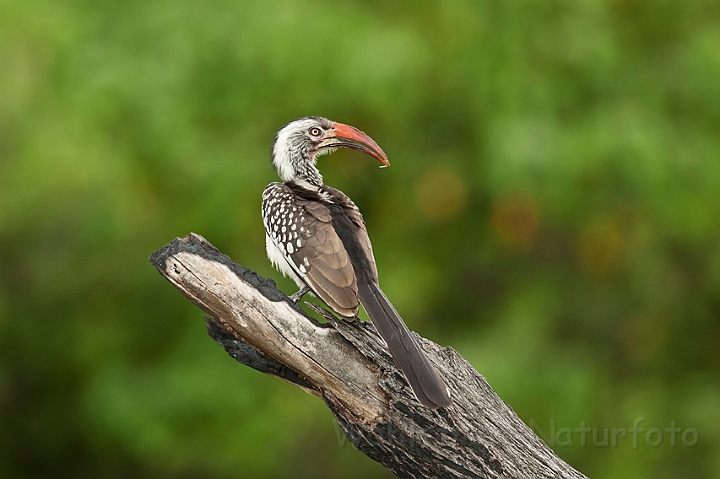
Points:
x=317, y=236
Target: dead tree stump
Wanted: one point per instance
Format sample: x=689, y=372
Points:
x=350, y=368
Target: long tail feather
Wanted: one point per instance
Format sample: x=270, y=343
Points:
x=429, y=388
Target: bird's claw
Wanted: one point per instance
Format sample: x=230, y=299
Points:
x=295, y=298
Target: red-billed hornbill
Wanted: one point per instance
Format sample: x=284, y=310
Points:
x=316, y=235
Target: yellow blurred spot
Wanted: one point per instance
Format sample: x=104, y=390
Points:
x=515, y=221
x=600, y=245
x=441, y=194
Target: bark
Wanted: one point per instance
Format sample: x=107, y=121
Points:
x=349, y=367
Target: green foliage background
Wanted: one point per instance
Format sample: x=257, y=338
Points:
x=552, y=213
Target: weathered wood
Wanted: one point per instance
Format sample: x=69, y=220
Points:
x=348, y=365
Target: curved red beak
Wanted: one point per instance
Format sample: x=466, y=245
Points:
x=346, y=136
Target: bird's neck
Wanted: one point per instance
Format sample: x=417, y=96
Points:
x=308, y=185
x=308, y=176
x=299, y=170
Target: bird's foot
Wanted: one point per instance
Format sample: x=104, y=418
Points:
x=327, y=315
x=295, y=298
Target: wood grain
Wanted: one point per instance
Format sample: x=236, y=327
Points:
x=349, y=367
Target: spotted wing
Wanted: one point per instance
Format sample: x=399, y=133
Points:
x=302, y=230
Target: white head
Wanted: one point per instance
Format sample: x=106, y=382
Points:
x=299, y=143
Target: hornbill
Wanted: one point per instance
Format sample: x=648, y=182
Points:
x=316, y=235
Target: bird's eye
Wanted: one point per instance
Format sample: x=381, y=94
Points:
x=315, y=131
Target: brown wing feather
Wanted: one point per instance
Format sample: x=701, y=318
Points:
x=364, y=240
x=356, y=217
x=328, y=270
x=317, y=253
